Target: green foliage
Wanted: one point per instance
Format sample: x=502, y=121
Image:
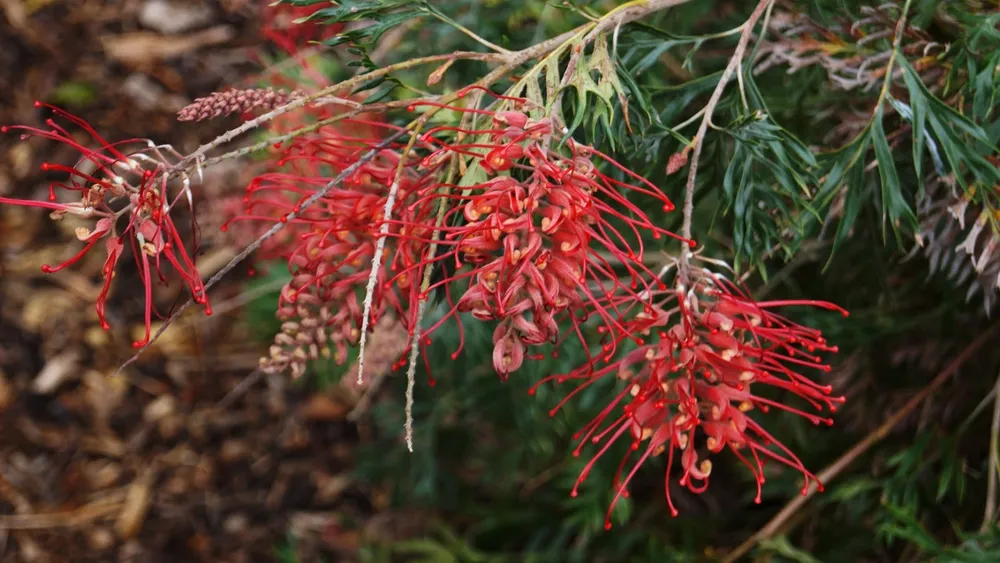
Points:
x=767, y=186
x=800, y=183
x=386, y=14
x=74, y=94
x=259, y=313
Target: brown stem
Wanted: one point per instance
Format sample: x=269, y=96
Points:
x=834, y=469
x=727, y=74
x=619, y=16
x=331, y=90
x=267, y=143
x=993, y=464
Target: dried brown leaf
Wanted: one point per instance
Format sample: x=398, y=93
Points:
x=323, y=408
x=56, y=371
x=7, y=392
x=142, y=47
x=136, y=505
x=63, y=519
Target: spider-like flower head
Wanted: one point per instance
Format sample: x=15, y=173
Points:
x=689, y=390
x=125, y=188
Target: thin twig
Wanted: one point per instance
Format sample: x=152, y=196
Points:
x=993, y=464
x=365, y=402
x=411, y=368
x=899, y=31
x=330, y=90
x=473, y=35
x=734, y=63
x=834, y=469
x=247, y=296
x=240, y=389
x=510, y=60
x=383, y=232
x=411, y=376
x=272, y=141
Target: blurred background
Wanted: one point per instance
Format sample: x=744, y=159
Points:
x=180, y=457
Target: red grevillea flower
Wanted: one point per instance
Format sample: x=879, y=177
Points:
x=125, y=192
x=689, y=388
x=544, y=242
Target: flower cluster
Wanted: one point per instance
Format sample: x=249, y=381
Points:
x=125, y=193
x=712, y=348
x=545, y=238
x=544, y=242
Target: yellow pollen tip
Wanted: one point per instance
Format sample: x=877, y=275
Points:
x=706, y=467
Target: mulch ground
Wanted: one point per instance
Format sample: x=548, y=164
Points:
x=147, y=465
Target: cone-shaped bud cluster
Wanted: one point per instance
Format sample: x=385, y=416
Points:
x=218, y=104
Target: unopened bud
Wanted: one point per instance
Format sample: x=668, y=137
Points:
x=676, y=162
